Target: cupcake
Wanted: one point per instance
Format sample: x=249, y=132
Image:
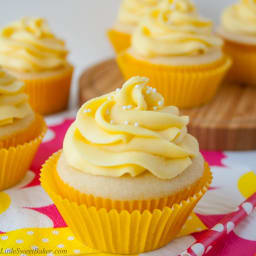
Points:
x=178, y=51
x=238, y=29
x=21, y=131
x=130, y=13
x=129, y=174
x=32, y=53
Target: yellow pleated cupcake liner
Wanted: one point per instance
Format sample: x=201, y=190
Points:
x=119, y=40
x=244, y=63
x=72, y=194
x=15, y=161
x=50, y=94
x=22, y=136
x=182, y=86
x=122, y=231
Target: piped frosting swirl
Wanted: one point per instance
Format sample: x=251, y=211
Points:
x=28, y=45
x=131, y=11
x=130, y=131
x=174, y=29
x=240, y=18
x=13, y=102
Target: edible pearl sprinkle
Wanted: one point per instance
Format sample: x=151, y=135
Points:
x=127, y=107
x=88, y=110
x=155, y=108
x=126, y=122
x=109, y=98
x=137, y=86
x=118, y=89
x=148, y=91
x=111, y=121
x=160, y=103
x=154, y=90
x=136, y=124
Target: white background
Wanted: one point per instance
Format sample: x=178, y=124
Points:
x=83, y=23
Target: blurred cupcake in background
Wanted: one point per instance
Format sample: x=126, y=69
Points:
x=178, y=51
x=238, y=29
x=128, y=166
x=21, y=131
x=130, y=14
x=32, y=53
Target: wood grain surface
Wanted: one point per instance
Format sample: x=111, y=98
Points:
x=226, y=123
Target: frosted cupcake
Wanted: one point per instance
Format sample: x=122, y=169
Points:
x=238, y=29
x=32, y=53
x=127, y=160
x=21, y=131
x=178, y=51
x=130, y=13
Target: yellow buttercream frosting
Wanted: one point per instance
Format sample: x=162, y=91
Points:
x=13, y=102
x=174, y=29
x=130, y=131
x=240, y=18
x=28, y=45
x=131, y=11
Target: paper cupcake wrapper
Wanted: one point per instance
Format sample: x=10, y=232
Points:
x=72, y=194
x=182, y=86
x=50, y=94
x=15, y=161
x=119, y=40
x=244, y=63
x=23, y=136
x=116, y=231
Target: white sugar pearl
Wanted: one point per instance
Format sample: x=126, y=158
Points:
x=160, y=103
x=118, y=90
x=124, y=107
x=88, y=110
x=136, y=124
x=155, y=108
x=129, y=107
x=109, y=98
x=148, y=91
x=126, y=122
x=154, y=90
x=137, y=86
x=111, y=121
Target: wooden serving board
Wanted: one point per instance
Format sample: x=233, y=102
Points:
x=226, y=123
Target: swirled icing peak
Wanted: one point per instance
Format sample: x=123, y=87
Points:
x=130, y=131
x=174, y=29
x=131, y=11
x=240, y=18
x=13, y=102
x=28, y=45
